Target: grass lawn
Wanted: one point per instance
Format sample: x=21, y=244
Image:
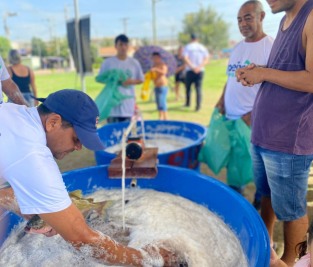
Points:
x=212, y=87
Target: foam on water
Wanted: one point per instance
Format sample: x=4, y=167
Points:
x=152, y=217
x=165, y=143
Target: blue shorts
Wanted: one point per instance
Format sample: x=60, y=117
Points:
x=160, y=97
x=284, y=178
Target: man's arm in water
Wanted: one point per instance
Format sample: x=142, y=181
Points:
x=13, y=93
x=71, y=225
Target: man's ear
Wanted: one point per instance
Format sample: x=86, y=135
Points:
x=262, y=15
x=53, y=122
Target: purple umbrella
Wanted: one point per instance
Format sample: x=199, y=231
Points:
x=144, y=54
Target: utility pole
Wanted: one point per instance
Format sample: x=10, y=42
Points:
x=79, y=51
x=154, y=27
x=5, y=24
x=125, y=21
x=65, y=13
x=70, y=58
x=50, y=29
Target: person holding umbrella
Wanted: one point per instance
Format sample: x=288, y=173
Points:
x=160, y=69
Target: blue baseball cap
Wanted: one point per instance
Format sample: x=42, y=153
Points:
x=81, y=111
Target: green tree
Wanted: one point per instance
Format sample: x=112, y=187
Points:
x=94, y=52
x=58, y=47
x=211, y=29
x=5, y=47
x=39, y=47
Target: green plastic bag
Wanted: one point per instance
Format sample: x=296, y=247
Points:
x=239, y=167
x=227, y=144
x=110, y=96
x=216, y=149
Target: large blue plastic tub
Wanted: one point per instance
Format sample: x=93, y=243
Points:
x=229, y=205
x=186, y=157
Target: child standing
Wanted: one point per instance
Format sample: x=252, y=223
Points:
x=160, y=84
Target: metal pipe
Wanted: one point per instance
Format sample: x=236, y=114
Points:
x=133, y=183
x=78, y=44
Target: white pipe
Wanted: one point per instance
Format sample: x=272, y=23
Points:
x=124, y=140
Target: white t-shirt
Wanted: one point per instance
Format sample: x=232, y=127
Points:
x=4, y=75
x=127, y=107
x=196, y=53
x=239, y=99
x=27, y=163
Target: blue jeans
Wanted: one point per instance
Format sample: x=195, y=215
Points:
x=283, y=178
x=160, y=97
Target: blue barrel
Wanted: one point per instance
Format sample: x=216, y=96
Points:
x=186, y=157
x=230, y=206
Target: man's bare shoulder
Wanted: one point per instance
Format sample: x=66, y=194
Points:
x=309, y=24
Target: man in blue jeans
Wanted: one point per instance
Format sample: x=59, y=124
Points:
x=237, y=100
x=126, y=109
x=282, y=123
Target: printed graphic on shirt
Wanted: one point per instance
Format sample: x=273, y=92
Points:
x=231, y=69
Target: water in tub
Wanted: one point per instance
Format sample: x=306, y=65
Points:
x=164, y=142
x=151, y=217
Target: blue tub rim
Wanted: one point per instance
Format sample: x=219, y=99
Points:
x=198, y=142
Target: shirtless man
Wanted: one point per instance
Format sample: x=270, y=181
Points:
x=160, y=83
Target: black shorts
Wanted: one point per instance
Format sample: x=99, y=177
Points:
x=179, y=77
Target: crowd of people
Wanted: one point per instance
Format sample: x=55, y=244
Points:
x=269, y=87
x=190, y=60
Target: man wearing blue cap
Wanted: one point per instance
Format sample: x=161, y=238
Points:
x=30, y=139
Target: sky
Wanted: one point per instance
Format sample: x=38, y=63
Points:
x=44, y=18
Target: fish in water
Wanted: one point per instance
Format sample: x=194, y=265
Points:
x=87, y=207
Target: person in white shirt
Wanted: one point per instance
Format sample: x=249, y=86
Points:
x=237, y=100
x=30, y=139
x=121, y=61
x=196, y=57
x=9, y=87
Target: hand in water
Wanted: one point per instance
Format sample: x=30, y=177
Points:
x=170, y=258
x=52, y=232
x=47, y=230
